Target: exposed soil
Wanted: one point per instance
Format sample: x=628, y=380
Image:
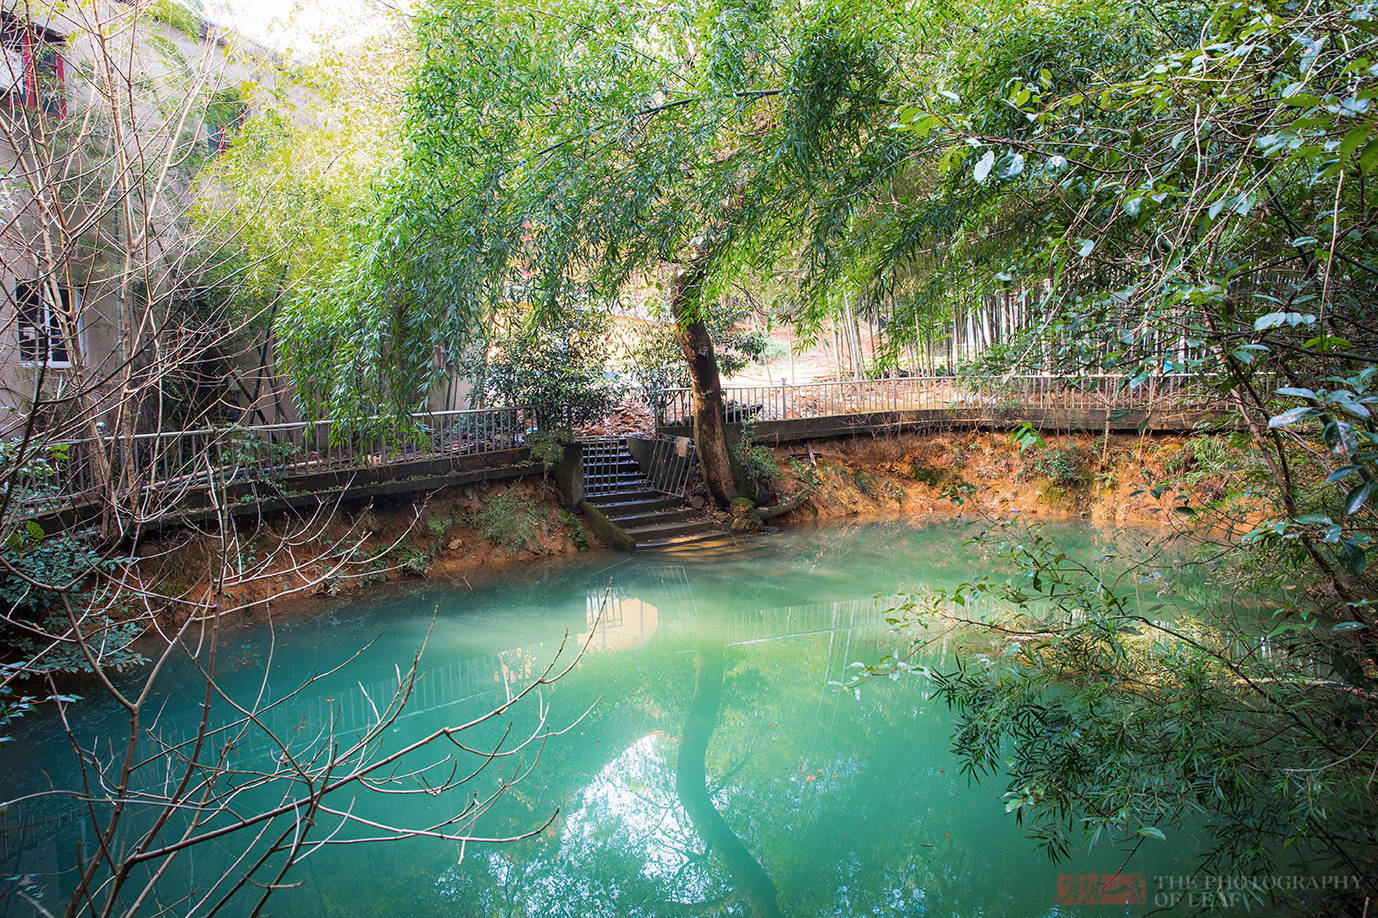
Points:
x=1106, y=482
x=452, y=535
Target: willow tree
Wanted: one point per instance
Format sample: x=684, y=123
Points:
x=571, y=153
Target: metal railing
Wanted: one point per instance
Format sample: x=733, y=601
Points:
x=158, y=467
x=941, y=393
x=608, y=467
x=152, y=464
x=672, y=466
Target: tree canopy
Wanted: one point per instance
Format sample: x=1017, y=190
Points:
x=559, y=155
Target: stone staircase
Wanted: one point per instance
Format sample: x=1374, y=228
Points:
x=614, y=484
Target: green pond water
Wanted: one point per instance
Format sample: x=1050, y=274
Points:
x=705, y=768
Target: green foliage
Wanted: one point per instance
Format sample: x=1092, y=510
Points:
x=285, y=210
x=757, y=463
x=1183, y=192
x=247, y=451
x=437, y=526
x=926, y=474
x=176, y=15
x=1105, y=717
x=1064, y=466
x=511, y=519
x=37, y=571
x=657, y=362
x=411, y=560
x=558, y=367
x=577, y=535
x=805, y=473
x=1025, y=435
x=561, y=159
x=227, y=107
x=12, y=706
x=549, y=446
x=1211, y=460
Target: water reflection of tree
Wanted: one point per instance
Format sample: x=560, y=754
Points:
x=743, y=717
x=598, y=862
x=749, y=880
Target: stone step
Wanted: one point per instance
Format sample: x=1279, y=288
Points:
x=708, y=548
x=631, y=495
x=615, y=476
x=624, y=463
x=662, y=532
x=696, y=533
x=635, y=522
x=636, y=507
x=601, y=496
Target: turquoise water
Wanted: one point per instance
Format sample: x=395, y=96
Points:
x=699, y=763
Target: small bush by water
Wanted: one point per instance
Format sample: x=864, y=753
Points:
x=510, y=519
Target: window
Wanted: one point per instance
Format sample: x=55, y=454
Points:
x=32, y=69
x=39, y=325
x=224, y=116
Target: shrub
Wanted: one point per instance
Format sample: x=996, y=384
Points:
x=1062, y=465
x=926, y=474
x=60, y=562
x=549, y=446
x=557, y=366
x=411, y=560
x=576, y=529
x=510, y=519
x=757, y=463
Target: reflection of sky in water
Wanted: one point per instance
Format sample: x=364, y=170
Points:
x=628, y=806
x=632, y=799
x=631, y=804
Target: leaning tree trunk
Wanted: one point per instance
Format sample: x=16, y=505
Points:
x=710, y=433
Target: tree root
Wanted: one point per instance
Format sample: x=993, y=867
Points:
x=789, y=506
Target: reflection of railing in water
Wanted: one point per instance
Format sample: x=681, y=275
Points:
x=660, y=609
x=661, y=615
x=308, y=719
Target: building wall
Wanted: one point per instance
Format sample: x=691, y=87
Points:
x=171, y=63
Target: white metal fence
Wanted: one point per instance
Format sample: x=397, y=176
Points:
x=157, y=466
x=56, y=474
x=673, y=466
x=936, y=393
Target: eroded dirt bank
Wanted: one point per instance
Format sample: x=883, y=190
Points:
x=464, y=534
x=1122, y=480
x=459, y=535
